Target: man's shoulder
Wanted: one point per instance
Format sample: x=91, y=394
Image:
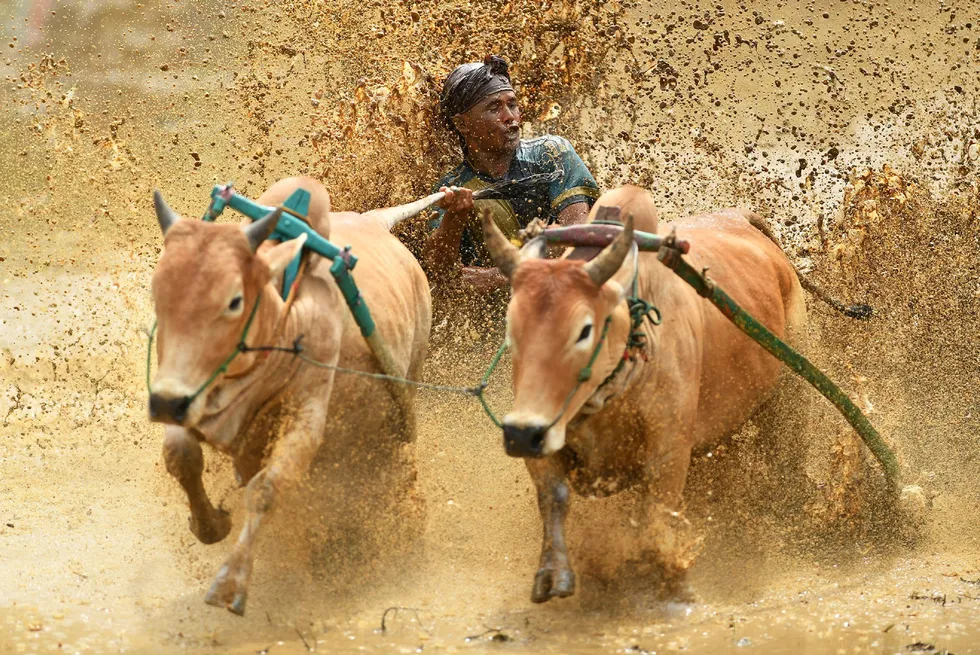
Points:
x=545, y=152
x=547, y=143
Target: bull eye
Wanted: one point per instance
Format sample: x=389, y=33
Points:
x=586, y=333
x=235, y=304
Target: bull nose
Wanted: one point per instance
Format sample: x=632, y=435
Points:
x=524, y=441
x=169, y=409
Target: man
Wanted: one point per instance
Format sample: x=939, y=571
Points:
x=480, y=107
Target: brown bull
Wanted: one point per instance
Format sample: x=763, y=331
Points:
x=636, y=424
x=205, y=287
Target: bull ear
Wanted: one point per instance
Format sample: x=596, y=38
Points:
x=607, y=262
x=260, y=230
x=278, y=258
x=504, y=254
x=165, y=215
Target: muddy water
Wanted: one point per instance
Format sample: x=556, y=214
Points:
x=779, y=107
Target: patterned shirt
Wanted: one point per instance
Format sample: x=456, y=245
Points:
x=547, y=200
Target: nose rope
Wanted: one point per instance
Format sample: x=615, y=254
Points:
x=222, y=368
x=486, y=380
x=640, y=310
x=584, y=375
x=296, y=349
x=222, y=197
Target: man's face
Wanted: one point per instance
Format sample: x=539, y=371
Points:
x=493, y=125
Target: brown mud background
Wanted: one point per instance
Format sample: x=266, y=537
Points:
x=853, y=126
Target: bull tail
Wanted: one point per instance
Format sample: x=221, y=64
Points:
x=392, y=216
x=859, y=312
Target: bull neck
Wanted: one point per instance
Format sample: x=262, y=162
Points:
x=484, y=172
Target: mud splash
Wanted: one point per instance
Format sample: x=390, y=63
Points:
x=794, y=111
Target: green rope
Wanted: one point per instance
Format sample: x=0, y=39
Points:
x=222, y=368
x=486, y=380
x=793, y=359
x=639, y=310
x=584, y=375
x=478, y=391
x=468, y=391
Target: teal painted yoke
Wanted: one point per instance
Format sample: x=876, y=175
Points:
x=291, y=225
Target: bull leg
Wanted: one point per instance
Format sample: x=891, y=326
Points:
x=555, y=576
x=185, y=461
x=667, y=536
x=290, y=460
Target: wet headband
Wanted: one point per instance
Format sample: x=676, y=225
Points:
x=471, y=83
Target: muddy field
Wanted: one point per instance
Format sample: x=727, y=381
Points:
x=852, y=125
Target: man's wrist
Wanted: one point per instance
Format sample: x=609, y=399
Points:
x=455, y=218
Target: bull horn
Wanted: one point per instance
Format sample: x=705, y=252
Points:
x=607, y=262
x=392, y=216
x=260, y=230
x=504, y=254
x=165, y=215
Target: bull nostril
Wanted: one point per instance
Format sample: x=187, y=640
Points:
x=524, y=441
x=156, y=405
x=180, y=408
x=174, y=409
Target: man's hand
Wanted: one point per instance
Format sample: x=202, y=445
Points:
x=482, y=280
x=458, y=201
x=442, y=246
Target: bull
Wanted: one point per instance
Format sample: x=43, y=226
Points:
x=207, y=289
x=589, y=416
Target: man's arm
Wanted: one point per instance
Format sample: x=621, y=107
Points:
x=483, y=279
x=488, y=279
x=576, y=190
x=442, y=246
x=574, y=214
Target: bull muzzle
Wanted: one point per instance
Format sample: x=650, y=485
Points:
x=524, y=441
x=165, y=408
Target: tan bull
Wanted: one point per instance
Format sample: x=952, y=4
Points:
x=703, y=379
x=205, y=287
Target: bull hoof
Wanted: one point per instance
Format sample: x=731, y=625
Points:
x=228, y=591
x=213, y=531
x=549, y=583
